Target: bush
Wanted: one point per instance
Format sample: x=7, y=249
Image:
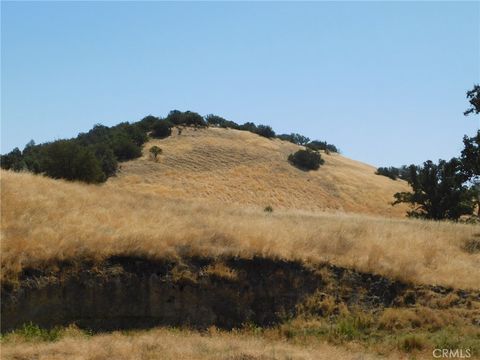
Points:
x=161, y=129
x=67, y=160
x=133, y=132
x=188, y=118
x=321, y=145
x=107, y=159
x=249, y=126
x=410, y=343
x=265, y=131
x=154, y=152
x=125, y=149
x=306, y=159
x=215, y=120
x=268, y=209
x=390, y=172
x=472, y=246
x=13, y=160
x=403, y=172
x=32, y=333
x=146, y=124
x=294, y=138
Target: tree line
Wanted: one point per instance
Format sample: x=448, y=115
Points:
x=94, y=156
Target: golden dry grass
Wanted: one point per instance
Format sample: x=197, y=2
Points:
x=179, y=345
x=45, y=220
x=235, y=166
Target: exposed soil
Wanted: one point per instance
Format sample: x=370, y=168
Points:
x=126, y=292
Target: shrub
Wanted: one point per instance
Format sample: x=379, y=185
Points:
x=154, y=152
x=321, y=145
x=472, y=246
x=390, y=172
x=125, y=149
x=249, y=126
x=294, y=138
x=268, y=209
x=13, y=160
x=146, y=124
x=215, y=120
x=32, y=333
x=404, y=172
x=410, y=343
x=265, y=131
x=106, y=157
x=67, y=160
x=190, y=118
x=161, y=129
x=133, y=132
x=306, y=159
x=352, y=326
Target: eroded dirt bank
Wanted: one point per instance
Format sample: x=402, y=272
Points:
x=126, y=292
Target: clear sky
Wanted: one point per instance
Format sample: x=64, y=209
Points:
x=384, y=81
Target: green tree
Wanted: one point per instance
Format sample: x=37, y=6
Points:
x=438, y=191
x=67, y=160
x=161, y=129
x=106, y=157
x=265, y=131
x=124, y=148
x=215, y=120
x=470, y=158
x=322, y=145
x=473, y=97
x=249, y=126
x=390, y=172
x=188, y=118
x=294, y=138
x=471, y=153
x=146, y=124
x=13, y=160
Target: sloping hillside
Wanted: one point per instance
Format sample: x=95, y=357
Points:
x=46, y=221
x=241, y=167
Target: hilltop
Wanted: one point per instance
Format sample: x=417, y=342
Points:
x=232, y=166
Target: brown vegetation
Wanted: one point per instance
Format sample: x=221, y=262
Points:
x=233, y=166
x=176, y=345
x=45, y=221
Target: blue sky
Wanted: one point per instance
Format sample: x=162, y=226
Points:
x=384, y=81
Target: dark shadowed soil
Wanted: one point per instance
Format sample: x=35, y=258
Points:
x=127, y=292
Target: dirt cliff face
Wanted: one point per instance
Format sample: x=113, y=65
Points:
x=124, y=293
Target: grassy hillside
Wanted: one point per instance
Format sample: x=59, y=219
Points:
x=46, y=220
x=233, y=166
x=205, y=199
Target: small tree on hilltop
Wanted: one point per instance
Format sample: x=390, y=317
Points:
x=154, y=152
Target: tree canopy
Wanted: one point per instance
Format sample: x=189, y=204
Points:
x=438, y=191
x=94, y=156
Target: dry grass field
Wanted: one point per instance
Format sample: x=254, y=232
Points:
x=45, y=220
x=233, y=166
x=206, y=197
x=175, y=344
